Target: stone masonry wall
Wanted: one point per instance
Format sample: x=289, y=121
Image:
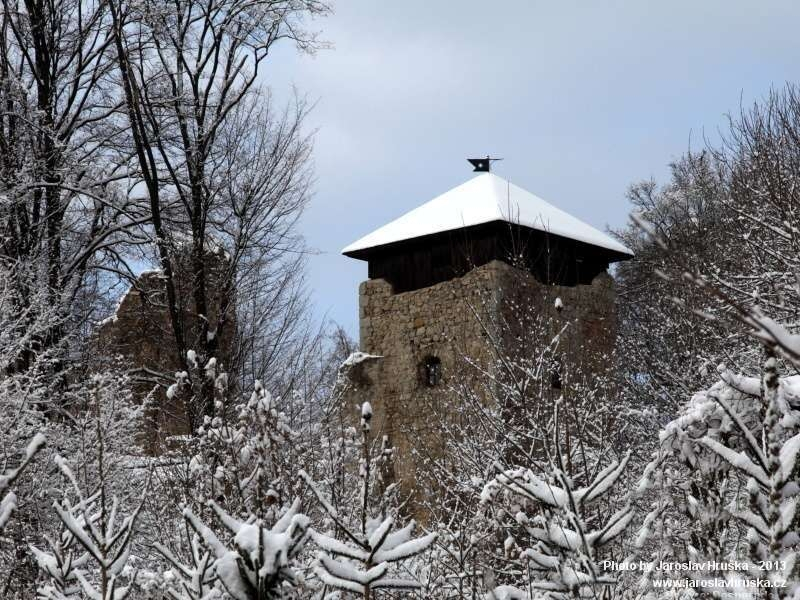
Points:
x=451, y=321
x=587, y=313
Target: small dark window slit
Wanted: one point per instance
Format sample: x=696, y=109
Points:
x=431, y=371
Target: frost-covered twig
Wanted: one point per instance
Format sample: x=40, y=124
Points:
x=195, y=580
x=8, y=499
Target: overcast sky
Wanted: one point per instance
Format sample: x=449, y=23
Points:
x=580, y=98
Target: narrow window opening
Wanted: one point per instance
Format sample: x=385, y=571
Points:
x=431, y=371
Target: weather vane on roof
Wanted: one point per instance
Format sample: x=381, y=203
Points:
x=482, y=164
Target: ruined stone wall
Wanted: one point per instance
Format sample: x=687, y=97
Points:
x=452, y=321
x=140, y=335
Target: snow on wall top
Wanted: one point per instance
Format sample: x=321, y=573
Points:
x=484, y=199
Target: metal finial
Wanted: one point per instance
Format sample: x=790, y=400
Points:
x=482, y=164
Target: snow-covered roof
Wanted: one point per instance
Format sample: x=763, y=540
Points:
x=485, y=198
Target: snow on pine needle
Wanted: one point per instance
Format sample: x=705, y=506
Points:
x=60, y=563
x=363, y=561
x=726, y=472
x=555, y=529
x=106, y=538
x=371, y=550
x=257, y=560
x=191, y=581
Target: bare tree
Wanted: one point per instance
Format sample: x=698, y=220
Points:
x=63, y=212
x=727, y=216
x=217, y=166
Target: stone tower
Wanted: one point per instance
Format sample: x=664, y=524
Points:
x=439, y=278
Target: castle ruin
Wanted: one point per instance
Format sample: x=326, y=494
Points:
x=140, y=333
